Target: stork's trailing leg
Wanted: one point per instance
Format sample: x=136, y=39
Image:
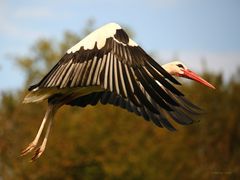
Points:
x=40, y=150
x=48, y=117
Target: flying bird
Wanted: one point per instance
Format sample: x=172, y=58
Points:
x=109, y=67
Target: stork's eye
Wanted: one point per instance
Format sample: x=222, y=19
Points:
x=180, y=65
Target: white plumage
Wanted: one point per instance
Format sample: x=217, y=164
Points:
x=99, y=36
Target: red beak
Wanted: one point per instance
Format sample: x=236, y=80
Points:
x=191, y=75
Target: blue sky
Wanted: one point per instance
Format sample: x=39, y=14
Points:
x=191, y=30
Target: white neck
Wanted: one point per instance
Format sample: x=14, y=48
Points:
x=169, y=68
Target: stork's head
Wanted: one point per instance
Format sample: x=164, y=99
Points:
x=179, y=69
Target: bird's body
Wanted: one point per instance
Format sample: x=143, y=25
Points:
x=109, y=67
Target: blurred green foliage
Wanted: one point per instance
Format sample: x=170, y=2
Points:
x=105, y=142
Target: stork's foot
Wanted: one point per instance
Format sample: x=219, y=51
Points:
x=29, y=148
x=38, y=153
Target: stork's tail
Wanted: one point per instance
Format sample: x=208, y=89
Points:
x=38, y=95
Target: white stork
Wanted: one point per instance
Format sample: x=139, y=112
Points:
x=109, y=67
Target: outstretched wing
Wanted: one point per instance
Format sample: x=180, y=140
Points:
x=110, y=59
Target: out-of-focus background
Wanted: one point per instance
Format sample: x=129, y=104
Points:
x=105, y=142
